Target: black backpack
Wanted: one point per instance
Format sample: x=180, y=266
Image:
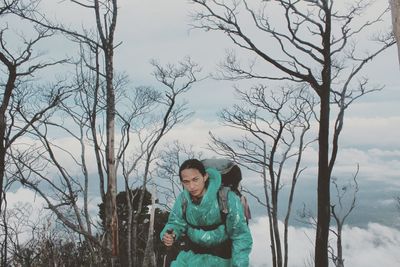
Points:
x=231, y=176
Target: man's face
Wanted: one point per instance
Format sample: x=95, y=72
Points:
x=194, y=182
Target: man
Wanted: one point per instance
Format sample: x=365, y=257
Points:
x=212, y=240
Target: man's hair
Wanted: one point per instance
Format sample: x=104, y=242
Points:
x=192, y=164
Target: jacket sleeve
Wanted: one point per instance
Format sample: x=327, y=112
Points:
x=175, y=219
x=238, y=231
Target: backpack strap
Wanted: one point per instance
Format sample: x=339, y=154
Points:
x=246, y=208
x=223, y=202
x=184, y=206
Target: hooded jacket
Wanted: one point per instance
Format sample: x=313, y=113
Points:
x=207, y=213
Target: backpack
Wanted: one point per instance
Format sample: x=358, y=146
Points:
x=231, y=176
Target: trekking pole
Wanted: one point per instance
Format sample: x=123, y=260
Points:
x=167, y=256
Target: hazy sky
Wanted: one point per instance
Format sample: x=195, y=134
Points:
x=158, y=29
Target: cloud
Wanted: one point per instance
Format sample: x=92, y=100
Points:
x=372, y=132
x=376, y=245
x=193, y=131
x=378, y=159
x=23, y=195
x=387, y=202
x=196, y=132
x=300, y=245
x=24, y=213
x=376, y=164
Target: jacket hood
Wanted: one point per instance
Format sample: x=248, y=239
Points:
x=207, y=211
x=214, y=178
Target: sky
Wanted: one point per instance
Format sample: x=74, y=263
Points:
x=159, y=29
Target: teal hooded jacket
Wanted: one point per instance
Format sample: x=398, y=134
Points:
x=207, y=213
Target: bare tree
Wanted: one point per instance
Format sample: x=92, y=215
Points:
x=105, y=22
x=60, y=173
x=316, y=45
x=36, y=241
x=26, y=231
x=76, y=120
x=177, y=79
x=20, y=63
x=103, y=94
x=340, y=212
x=105, y=17
x=24, y=101
x=344, y=202
x=274, y=129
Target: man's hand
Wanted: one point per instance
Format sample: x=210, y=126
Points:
x=169, y=238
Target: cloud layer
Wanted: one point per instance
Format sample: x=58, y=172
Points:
x=373, y=246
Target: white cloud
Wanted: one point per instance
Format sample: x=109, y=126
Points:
x=24, y=213
x=25, y=199
x=387, y=202
x=377, y=162
x=300, y=246
x=372, y=132
x=196, y=132
x=23, y=195
x=376, y=245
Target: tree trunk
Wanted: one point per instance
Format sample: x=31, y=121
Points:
x=323, y=195
x=129, y=197
x=111, y=212
x=395, y=8
x=12, y=76
x=323, y=191
x=149, y=255
x=340, y=261
x=107, y=40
